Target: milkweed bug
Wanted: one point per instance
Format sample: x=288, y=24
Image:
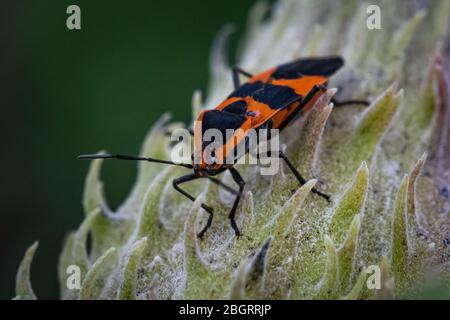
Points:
x=269, y=100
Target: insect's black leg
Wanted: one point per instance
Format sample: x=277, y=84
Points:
x=238, y=179
x=236, y=71
x=300, y=178
x=190, y=177
x=223, y=185
x=349, y=102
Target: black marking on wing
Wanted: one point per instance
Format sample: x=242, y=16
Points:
x=276, y=97
x=221, y=120
x=247, y=89
x=238, y=107
x=309, y=67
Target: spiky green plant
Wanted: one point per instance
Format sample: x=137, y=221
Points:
x=386, y=167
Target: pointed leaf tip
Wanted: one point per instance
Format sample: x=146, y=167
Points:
x=191, y=258
x=326, y=288
x=357, y=288
x=256, y=268
x=218, y=62
x=285, y=217
x=238, y=284
x=350, y=204
x=79, y=249
x=248, y=210
x=92, y=194
x=346, y=253
x=369, y=130
x=96, y=277
x=149, y=213
x=402, y=37
x=311, y=135
x=248, y=279
x=24, y=289
x=196, y=104
x=400, y=250
x=127, y=290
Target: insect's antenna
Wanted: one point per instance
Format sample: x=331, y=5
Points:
x=133, y=158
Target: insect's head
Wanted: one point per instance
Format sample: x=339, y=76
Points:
x=216, y=134
x=205, y=165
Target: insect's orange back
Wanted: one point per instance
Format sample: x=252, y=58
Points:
x=274, y=95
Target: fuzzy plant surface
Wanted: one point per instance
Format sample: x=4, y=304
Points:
x=386, y=167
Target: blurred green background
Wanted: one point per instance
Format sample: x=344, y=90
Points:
x=67, y=92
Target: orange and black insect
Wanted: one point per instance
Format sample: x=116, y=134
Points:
x=269, y=100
